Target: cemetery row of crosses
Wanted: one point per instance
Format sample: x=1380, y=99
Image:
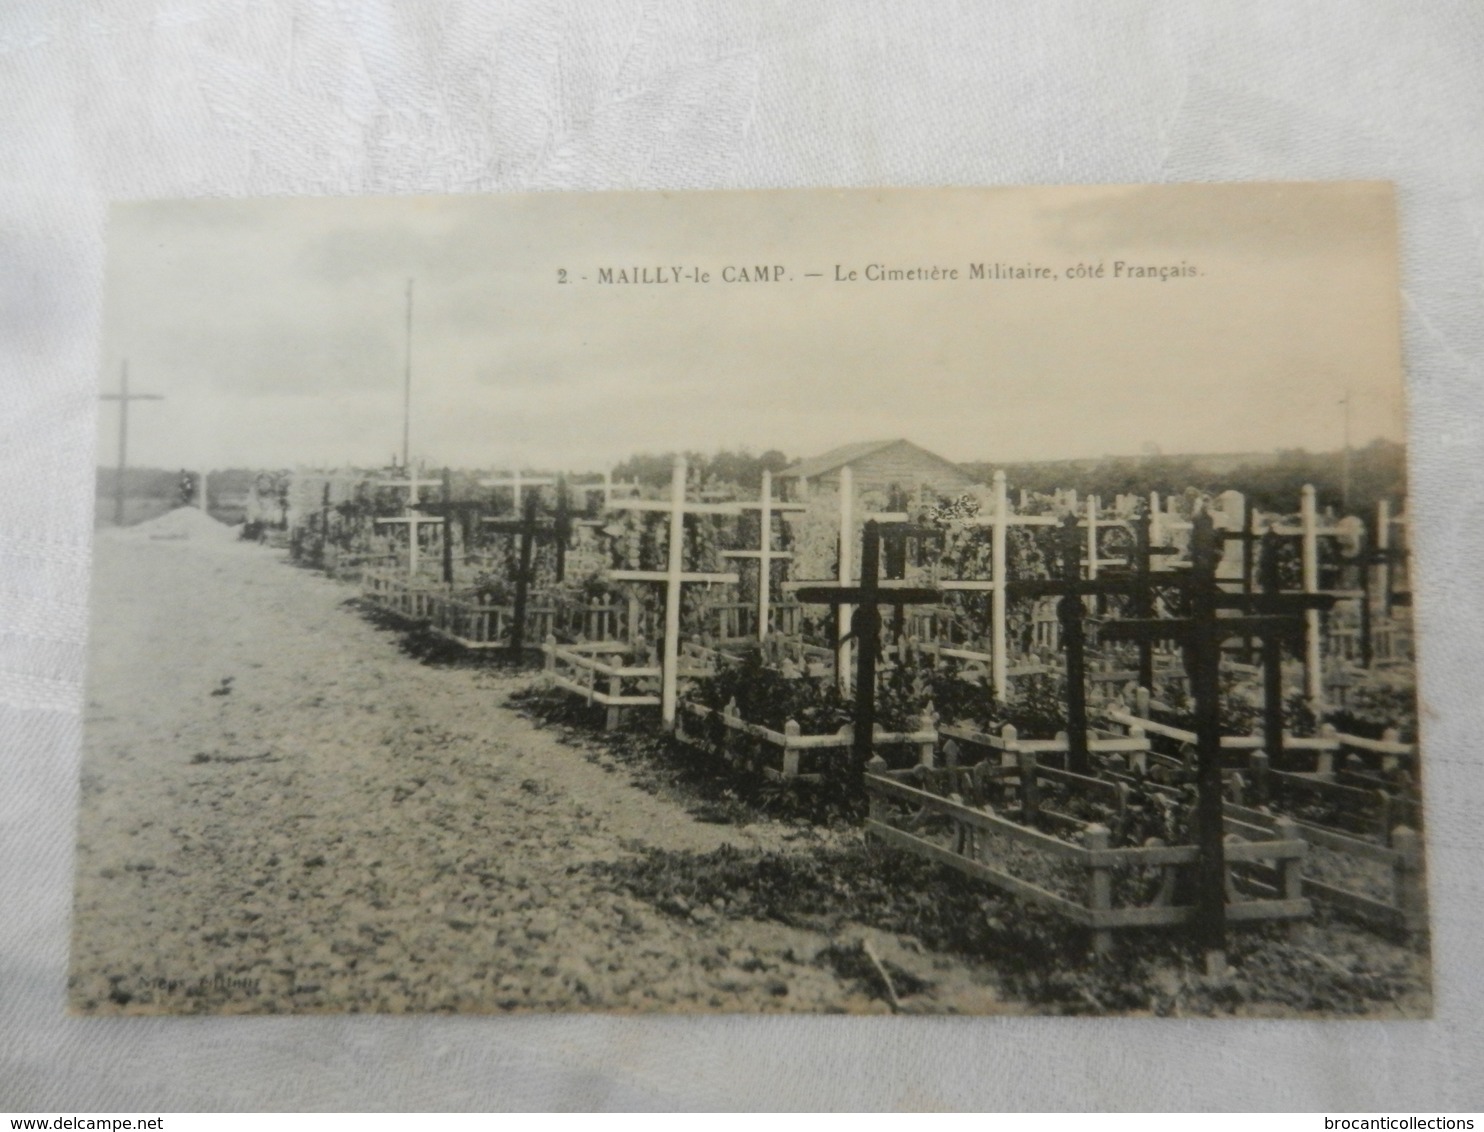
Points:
x=1175, y=712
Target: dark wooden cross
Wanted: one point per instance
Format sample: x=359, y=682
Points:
x=894, y=541
x=1251, y=549
x=1274, y=601
x=123, y=397
x=324, y=525
x=515, y=481
x=1071, y=587
x=561, y=526
x=449, y=509
x=530, y=527
x=865, y=628
x=1273, y=618
x=1144, y=592
x=895, y=536
x=1272, y=659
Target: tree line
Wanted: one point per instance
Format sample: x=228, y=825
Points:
x=1272, y=482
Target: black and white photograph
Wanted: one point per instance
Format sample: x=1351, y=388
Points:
x=899, y=602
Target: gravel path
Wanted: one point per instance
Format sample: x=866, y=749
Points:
x=282, y=812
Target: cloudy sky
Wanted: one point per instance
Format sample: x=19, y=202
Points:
x=275, y=329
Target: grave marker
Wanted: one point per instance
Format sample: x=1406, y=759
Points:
x=865, y=601
x=413, y=517
x=515, y=482
x=766, y=507
x=529, y=527
x=1380, y=558
x=895, y=537
x=674, y=575
x=845, y=571
x=1201, y=635
x=123, y=397
x=1071, y=588
x=999, y=521
x=448, y=509
x=1308, y=533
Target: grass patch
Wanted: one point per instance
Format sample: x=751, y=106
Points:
x=419, y=641
x=711, y=788
x=1038, y=958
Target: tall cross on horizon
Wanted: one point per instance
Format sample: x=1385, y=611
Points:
x=123, y=397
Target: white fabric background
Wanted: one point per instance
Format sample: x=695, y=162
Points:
x=181, y=98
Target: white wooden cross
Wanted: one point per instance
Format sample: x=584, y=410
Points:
x=766, y=507
x=1091, y=521
x=516, y=482
x=999, y=521
x=413, y=518
x=674, y=575
x=1308, y=532
x=607, y=485
x=604, y=485
x=1313, y=664
x=1384, y=523
x=845, y=571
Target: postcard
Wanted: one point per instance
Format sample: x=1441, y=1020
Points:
x=951, y=601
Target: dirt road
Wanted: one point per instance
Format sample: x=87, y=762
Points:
x=282, y=812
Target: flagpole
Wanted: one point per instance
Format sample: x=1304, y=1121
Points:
x=407, y=386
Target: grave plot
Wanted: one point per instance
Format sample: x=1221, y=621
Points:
x=330, y=521
x=408, y=589
x=1353, y=798
x=626, y=674
x=711, y=615
x=758, y=715
x=1047, y=856
x=1200, y=632
x=1355, y=808
x=1380, y=882
x=1356, y=772
x=1301, y=749
x=786, y=724
x=995, y=626
x=492, y=582
x=518, y=597
x=612, y=674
